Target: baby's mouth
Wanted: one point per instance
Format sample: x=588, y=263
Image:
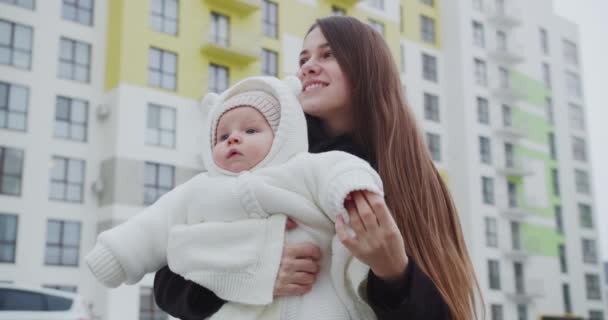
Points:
x=233, y=152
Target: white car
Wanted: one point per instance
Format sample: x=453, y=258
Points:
x=19, y=302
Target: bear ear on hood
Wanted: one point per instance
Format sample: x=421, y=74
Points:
x=208, y=102
x=294, y=84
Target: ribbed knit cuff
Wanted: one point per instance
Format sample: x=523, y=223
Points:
x=346, y=182
x=105, y=267
x=254, y=286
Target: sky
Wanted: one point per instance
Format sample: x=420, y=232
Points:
x=590, y=15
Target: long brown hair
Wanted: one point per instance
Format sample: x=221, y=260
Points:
x=415, y=192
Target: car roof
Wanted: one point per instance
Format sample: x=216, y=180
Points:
x=39, y=289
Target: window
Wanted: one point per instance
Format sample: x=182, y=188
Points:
x=581, y=179
x=547, y=75
x=555, y=182
x=552, y=147
x=218, y=78
x=14, y=100
x=570, y=52
x=427, y=29
x=485, y=150
x=559, y=222
x=164, y=15
x=478, y=5
x=428, y=2
x=11, y=171
x=496, y=312
x=522, y=312
x=563, y=263
x=585, y=216
x=544, y=40
x=162, y=68
x=67, y=179
x=577, y=117
x=494, y=274
x=566, y=296
x=512, y=194
x=481, y=76
x=269, y=62
x=337, y=11
x=579, y=149
x=80, y=11
x=429, y=67
x=589, y=251
x=478, y=35
x=148, y=309
x=431, y=107
x=15, y=44
x=22, y=300
x=62, y=287
x=270, y=20
x=549, y=110
x=434, y=143
x=378, y=4
x=220, y=29
x=596, y=315
x=501, y=40
x=8, y=237
x=377, y=25
x=491, y=232
x=402, y=54
x=515, y=236
x=592, y=285
x=62, y=243
x=158, y=180
x=487, y=185
x=509, y=155
x=518, y=271
x=483, y=111
x=503, y=76
x=160, y=128
x=573, y=84
x=28, y=4
x=71, y=119
x=507, y=116
x=74, y=60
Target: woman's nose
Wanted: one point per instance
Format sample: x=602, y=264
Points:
x=311, y=67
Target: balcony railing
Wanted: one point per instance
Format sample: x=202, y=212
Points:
x=516, y=255
x=238, y=6
x=534, y=289
x=514, y=168
x=503, y=17
x=511, y=133
x=507, y=56
x=514, y=213
x=242, y=50
x=508, y=94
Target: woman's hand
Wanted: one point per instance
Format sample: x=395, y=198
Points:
x=298, y=269
x=377, y=241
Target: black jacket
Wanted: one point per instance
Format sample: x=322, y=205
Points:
x=416, y=298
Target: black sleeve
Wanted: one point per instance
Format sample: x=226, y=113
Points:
x=182, y=298
x=416, y=298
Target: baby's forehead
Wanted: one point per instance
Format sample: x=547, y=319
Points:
x=242, y=113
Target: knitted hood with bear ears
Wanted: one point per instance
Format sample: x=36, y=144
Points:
x=290, y=137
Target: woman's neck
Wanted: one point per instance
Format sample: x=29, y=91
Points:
x=337, y=126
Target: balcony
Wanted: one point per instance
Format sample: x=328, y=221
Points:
x=506, y=56
x=508, y=94
x=533, y=289
x=514, y=214
x=514, y=168
x=241, y=51
x=511, y=133
x=243, y=7
x=503, y=17
x=516, y=255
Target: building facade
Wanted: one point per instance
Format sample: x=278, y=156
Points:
x=99, y=117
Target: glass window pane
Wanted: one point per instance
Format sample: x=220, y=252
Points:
x=74, y=192
x=3, y=118
x=23, y=38
x=165, y=176
x=65, y=70
x=168, y=82
x=4, y=90
x=5, y=56
x=11, y=185
x=7, y=253
x=68, y=12
x=17, y=121
x=84, y=17
x=166, y=139
x=169, y=61
x=52, y=255
x=5, y=33
x=81, y=73
x=167, y=118
x=82, y=53
x=57, y=191
x=53, y=232
x=78, y=132
x=150, y=174
x=76, y=171
x=154, y=78
x=65, y=52
x=156, y=23
x=153, y=116
x=21, y=60
x=71, y=233
x=149, y=195
x=70, y=256
x=152, y=136
x=157, y=6
x=13, y=161
x=79, y=109
x=171, y=9
x=18, y=98
x=154, y=59
x=170, y=26
x=58, y=170
x=61, y=129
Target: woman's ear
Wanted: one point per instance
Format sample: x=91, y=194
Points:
x=294, y=84
x=208, y=101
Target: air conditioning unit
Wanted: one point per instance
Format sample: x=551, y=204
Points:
x=103, y=111
x=98, y=187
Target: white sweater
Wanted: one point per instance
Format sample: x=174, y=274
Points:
x=186, y=228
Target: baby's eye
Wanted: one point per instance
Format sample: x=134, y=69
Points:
x=251, y=131
x=223, y=137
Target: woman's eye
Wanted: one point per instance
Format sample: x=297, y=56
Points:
x=251, y=131
x=327, y=54
x=303, y=61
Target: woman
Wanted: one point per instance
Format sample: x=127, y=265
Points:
x=413, y=243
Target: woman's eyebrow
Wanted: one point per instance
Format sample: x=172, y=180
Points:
x=321, y=46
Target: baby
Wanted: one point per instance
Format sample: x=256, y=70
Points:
x=258, y=167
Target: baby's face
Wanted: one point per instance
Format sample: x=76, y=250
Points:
x=243, y=139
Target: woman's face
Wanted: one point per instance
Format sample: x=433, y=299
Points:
x=325, y=89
